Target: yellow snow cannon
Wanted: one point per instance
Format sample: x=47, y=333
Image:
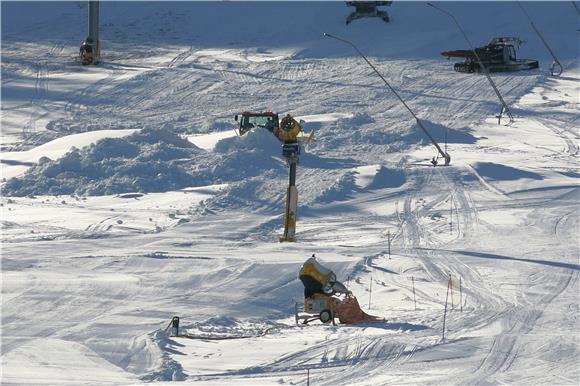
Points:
x=326, y=299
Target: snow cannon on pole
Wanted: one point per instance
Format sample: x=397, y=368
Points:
x=288, y=131
x=327, y=299
x=444, y=154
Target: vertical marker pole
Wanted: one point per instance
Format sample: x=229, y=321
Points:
x=445, y=312
x=451, y=215
x=460, y=295
x=414, y=298
x=370, y=291
x=389, y=240
x=451, y=288
x=308, y=377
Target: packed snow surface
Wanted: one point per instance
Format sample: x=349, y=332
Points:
x=128, y=198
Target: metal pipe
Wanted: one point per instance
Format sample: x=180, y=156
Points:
x=483, y=68
x=94, y=20
x=556, y=62
x=445, y=155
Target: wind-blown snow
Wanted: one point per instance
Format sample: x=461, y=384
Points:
x=133, y=200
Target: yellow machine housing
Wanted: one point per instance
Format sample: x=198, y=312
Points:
x=317, y=271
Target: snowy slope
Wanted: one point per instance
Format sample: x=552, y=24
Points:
x=89, y=283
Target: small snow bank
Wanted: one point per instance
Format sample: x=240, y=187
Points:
x=256, y=140
x=15, y=163
x=224, y=327
x=497, y=172
x=154, y=350
x=147, y=161
x=387, y=177
x=208, y=141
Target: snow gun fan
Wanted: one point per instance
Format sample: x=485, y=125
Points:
x=498, y=56
x=327, y=299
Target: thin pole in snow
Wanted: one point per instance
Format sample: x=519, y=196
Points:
x=451, y=287
x=389, y=241
x=556, y=62
x=308, y=377
x=414, y=298
x=445, y=312
x=451, y=215
x=483, y=68
x=370, y=291
x=460, y=295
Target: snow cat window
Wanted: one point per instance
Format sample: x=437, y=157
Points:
x=249, y=122
x=512, y=53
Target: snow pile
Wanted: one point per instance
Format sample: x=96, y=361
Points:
x=151, y=160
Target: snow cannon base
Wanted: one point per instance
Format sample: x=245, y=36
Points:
x=328, y=308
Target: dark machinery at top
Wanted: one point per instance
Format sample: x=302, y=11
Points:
x=367, y=9
x=498, y=56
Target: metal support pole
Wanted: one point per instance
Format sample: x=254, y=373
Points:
x=483, y=68
x=292, y=175
x=451, y=287
x=291, y=202
x=446, y=156
x=414, y=297
x=460, y=295
x=94, y=20
x=94, y=29
x=451, y=214
x=445, y=312
x=556, y=62
x=370, y=291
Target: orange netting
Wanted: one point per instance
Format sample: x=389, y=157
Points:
x=348, y=311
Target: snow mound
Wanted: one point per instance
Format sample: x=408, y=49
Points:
x=151, y=160
x=387, y=177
